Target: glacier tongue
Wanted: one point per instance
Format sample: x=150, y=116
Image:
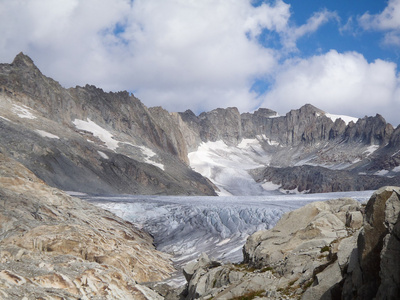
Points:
x=219, y=226
x=227, y=166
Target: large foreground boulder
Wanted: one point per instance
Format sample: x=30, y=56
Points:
x=375, y=271
x=53, y=246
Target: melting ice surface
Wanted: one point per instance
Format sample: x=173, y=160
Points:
x=219, y=226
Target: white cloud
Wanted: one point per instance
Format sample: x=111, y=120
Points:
x=291, y=35
x=196, y=54
x=337, y=83
x=164, y=50
x=388, y=20
x=176, y=53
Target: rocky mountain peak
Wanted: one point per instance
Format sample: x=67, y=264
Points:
x=309, y=108
x=22, y=60
x=265, y=112
x=370, y=130
x=307, y=111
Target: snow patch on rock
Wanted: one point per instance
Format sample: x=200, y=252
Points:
x=47, y=134
x=396, y=169
x=103, y=155
x=23, y=111
x=98, y=131
x=346, y=119
x=371, y=149
x=381, y=172
x=270, y=186
x=149, y=155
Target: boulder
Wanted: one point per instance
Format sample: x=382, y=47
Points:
x=375, y=269
x=304, y=231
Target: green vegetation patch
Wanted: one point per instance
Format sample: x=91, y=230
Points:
x=325, y=249
x=250, y=295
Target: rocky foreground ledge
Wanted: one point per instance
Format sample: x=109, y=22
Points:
x=337, y=249
x=53, y=246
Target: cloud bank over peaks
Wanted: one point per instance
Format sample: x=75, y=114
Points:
x=174, y=53
x=337, y=82
x=202, y=55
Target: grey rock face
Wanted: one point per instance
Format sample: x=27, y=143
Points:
x=370, y=130
x=221, y=124
x=150, y=146
x=315, y=179
x=123, y=147
x=305, y=230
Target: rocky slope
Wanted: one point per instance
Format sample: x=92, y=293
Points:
x=53, y=246
x=84, y=139
x=315, y=179
x=325, y=250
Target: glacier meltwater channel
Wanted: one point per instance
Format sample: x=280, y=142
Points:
x=219, y=226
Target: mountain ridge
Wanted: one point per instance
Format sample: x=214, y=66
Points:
x=112, y=143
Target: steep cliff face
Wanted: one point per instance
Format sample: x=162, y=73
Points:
x=218, y=124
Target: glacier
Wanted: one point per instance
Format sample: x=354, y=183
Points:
x=219, y=226
x=227, y=166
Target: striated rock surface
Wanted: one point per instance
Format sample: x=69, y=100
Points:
x=53, y=246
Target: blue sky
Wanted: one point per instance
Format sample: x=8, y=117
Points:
x=341, y=56
x=334, y=36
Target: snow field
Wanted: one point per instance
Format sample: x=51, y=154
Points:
x=346, y=119
x=227, y=166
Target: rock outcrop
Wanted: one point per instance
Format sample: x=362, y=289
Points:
x=53, y=246
x=337, y=249
x=375, y=272
x=315, y=179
